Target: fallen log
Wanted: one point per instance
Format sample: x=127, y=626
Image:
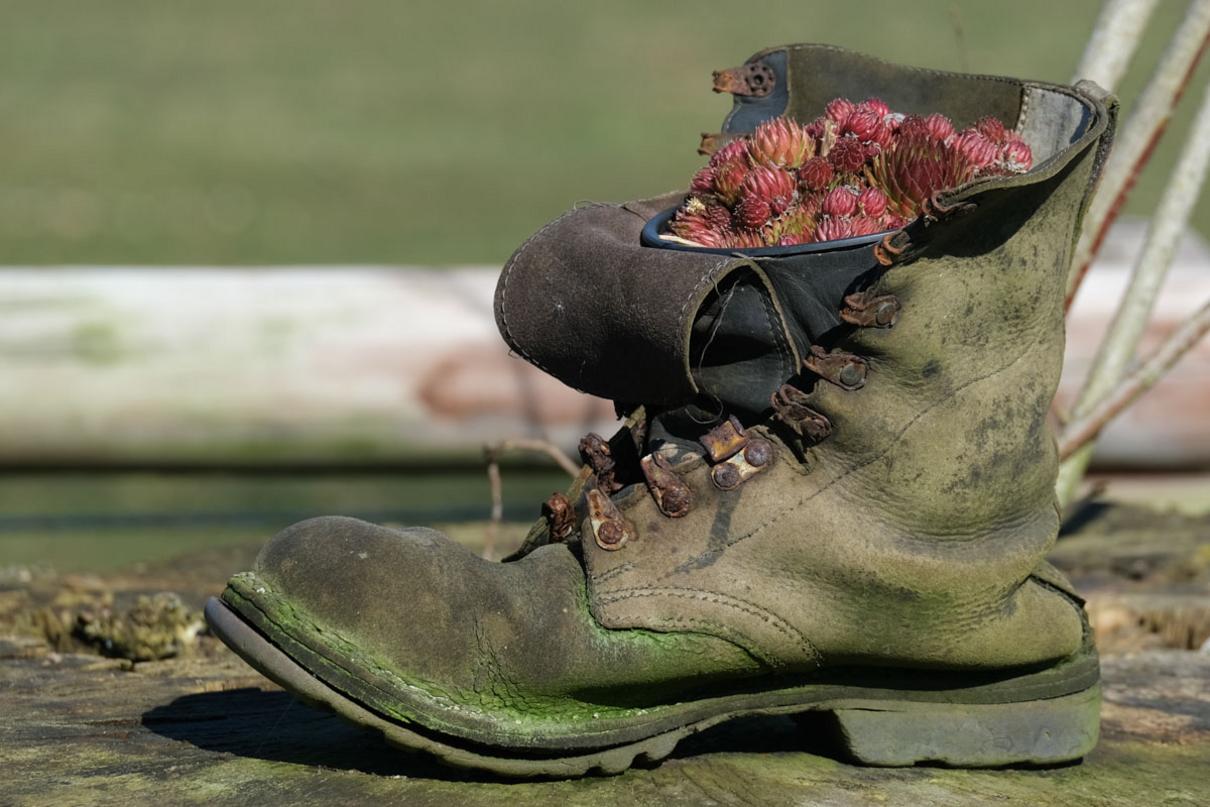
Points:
x=364, y=365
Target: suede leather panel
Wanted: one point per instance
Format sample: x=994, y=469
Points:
x=584, y=301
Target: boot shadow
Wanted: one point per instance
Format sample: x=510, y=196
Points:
x=274, y=726
x=277, y=727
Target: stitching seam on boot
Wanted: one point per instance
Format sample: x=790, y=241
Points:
x=743, y=606
x=1024, y=111
x=612, y=573
x=778, y=334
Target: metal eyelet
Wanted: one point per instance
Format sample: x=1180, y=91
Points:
x=790, y=407
x=560, y=517
x=610, y=528
x=741, y=466
x=754, y=79
x=845, y=370
x=671, y=494
x=871, y=311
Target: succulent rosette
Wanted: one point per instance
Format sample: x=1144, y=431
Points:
x=858, y=169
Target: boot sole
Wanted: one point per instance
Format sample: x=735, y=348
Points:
x=871, y=731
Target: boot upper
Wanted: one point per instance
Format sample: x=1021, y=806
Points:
x=912, y=532
x=831, y=459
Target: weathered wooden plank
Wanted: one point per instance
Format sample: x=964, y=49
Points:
x=205, y=729
x=364, y=364
x=334, y=364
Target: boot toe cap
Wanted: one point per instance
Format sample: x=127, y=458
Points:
x=380, y=589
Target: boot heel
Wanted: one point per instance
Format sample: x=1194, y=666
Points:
x=1043, y=732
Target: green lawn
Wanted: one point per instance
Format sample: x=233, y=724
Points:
x=413, y=131
x=89, y=522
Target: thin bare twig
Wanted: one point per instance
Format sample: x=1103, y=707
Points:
x=1115, y=36
x=491, y=454
x=1086, y=429
x=497, y=494
x=1137, y=139
x=1121, y=341
x=536, y=446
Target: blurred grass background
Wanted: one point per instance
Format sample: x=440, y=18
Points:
x=315, y=131
x=86, y=521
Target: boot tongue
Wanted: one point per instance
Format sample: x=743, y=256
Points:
x=812, y=289
x=737, y=359
x=677, y=433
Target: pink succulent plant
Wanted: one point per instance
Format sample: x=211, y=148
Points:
x=772, y=186
x=872, y=202
x=976, y=149
x=840, y=201
x=781, y=142
x=848, y=155
x=816, y=174
x=1015, y=156
x=839, y=110
x=833, y=228
x=939, y=126
x=858, y=169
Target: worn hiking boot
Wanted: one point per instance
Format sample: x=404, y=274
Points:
x=833, y=491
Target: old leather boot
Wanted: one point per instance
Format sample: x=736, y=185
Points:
x=835, y=496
